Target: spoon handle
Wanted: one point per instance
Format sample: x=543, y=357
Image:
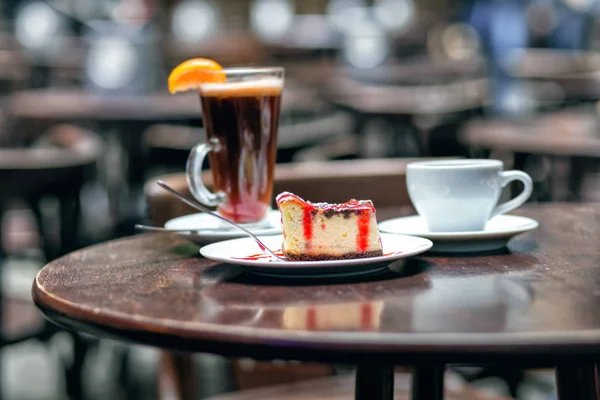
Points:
x=160, y=229
x=200, y=207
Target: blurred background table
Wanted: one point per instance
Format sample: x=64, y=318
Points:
x=128, y=119
x=558, y=76
x=58, y=105
x=414, y=100
x=78, y=105
x=572, y=134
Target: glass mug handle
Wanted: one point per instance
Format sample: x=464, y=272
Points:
x=507, y=177
x=194, y=174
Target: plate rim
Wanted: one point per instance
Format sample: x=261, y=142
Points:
x=472, y=235
x=214, y=233
x=426, y=245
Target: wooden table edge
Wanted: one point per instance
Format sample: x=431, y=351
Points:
x=534, y=344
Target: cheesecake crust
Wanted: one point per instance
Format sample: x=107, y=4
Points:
x=329, y=257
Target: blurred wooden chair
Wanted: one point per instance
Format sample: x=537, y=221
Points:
x=168, y=146
x=58, y=165
x=306, y=121
x=381, y=180
x=342, y=388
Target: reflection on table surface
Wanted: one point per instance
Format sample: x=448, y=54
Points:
x=423, y=300
x=363, y=316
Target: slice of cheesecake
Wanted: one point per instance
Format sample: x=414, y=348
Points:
x=323, y=231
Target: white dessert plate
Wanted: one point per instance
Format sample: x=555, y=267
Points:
x=246, y=252
x=498, y=231
x=206, y=229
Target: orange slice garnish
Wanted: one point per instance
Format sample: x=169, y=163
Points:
x=191, y=73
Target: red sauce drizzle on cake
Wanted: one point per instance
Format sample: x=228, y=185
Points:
x=307, y=224
x=362, y=239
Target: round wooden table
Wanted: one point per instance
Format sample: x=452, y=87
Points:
x=534, y=304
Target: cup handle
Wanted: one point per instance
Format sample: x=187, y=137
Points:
x=194, y=174
x=507, y=177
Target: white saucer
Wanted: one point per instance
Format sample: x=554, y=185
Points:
x=498, y=231
x=240, y=252
x=208, y=229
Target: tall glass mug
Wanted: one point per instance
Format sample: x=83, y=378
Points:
x=241, y=117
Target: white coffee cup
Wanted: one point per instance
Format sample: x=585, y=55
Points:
x=462, y=195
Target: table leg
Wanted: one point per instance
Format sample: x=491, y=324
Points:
x=519, y=161
x=360, y=125
x=74, y=372
x=576, y=382
x=406, y=139
x=374, y=382
x=427, y=383
x=70, y=210
x=132, y=139
x=176, y=376
x=579, y=168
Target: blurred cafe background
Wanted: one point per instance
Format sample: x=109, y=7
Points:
x=86, y=120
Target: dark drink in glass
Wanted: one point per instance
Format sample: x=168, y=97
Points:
x=241, y=119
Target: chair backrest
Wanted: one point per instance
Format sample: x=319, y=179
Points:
x=381, y=180
x=58, y=161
